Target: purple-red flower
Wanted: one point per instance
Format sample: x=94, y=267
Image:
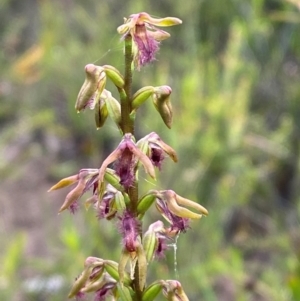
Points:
x=95, y=279
x=178, y=223
x=170, y=205
x=86, y=179
x=126, y=156
x=156, y=149
x=146, y=36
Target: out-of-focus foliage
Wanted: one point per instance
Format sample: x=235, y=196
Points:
x=234, y=67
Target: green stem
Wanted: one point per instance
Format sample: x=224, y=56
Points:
x=127, y=125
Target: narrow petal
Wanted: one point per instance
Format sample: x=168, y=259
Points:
x=185, y=202
x=162, y=22
x=125, y=257
x=162, y=103
x=64, y=182
x=80, y=281
x=73, y=195
x=111, y=158
x=158, y=35
x=181, y=211
x=142, y=265
x=170, y=197
x=149, y=168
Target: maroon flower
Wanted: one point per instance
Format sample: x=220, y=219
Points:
x=86, y=179
x=126, y=157
x=169, y=204
x=178, y=224
x=146, y=36
x=124, y=167
x=156, y=149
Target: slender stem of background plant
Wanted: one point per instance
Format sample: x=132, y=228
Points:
x=127, y=123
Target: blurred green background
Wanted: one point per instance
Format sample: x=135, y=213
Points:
x=234, y=67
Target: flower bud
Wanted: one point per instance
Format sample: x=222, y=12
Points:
x=120, y=202
x=124, y=292
x=101, y=113
x=92, y=261
x=112, y=269
x=126, y=198
x=113, y=179
x=162, y=103
x=80, y=281
x=151, y=292
x=149, y=244
x=145, y=202
x=141, y=96
x=113, y=108
x=114, y=75
x=173, y=290
x=92, y=87
x=154, y=240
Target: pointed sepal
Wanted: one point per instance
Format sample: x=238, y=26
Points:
x=162, y=103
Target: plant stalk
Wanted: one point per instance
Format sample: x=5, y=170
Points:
x=127, y=125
